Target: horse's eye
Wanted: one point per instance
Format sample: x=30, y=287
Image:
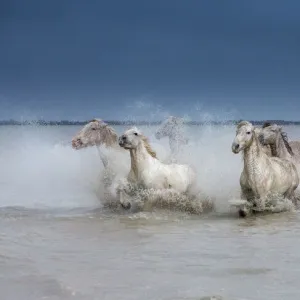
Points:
x=135, y=133
x=93, y=128
x=248, y=132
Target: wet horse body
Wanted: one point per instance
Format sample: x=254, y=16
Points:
x=148, y=172
x=262, y=176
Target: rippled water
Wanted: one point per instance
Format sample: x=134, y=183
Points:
x=57, y=242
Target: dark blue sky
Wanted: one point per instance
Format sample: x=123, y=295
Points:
x=120, y=59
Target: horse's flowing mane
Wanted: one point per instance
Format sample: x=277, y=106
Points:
x=109, y=136
x=148, y=147
x=286, y=142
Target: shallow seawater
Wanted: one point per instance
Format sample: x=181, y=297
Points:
x=157, y=255
x=57, y=242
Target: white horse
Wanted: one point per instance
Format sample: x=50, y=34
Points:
x=277, y=139
x=173, y=129
x=295, y=145
x=263, y=176
x=273, y=136
x=147, y=172
x=98, y=133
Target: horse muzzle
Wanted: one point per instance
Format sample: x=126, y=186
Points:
x=77, y=144
x=235, y=148
x=122, y=140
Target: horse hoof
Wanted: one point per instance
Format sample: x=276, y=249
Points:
x=126, y=205
x=242, y=213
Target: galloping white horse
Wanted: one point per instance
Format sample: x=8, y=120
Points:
x=295, y=145
x=148, y=172
x=98, y=133
x=273, y=136
x=173, y=128
x=262, y=176
x=277, y=139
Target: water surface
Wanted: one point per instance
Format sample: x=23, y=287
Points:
x=57, y=242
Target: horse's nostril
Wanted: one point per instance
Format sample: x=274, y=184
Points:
x=236, y=146
x=123, y=137
x=76, y=143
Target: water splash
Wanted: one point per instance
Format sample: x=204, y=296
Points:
x=39, y=171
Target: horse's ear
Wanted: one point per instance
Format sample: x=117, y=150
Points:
x=266, y=124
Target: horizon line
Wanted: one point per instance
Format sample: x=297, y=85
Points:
x=130, y=122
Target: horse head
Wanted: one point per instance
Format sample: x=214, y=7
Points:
x=169, y=127
x=244, y=136
x=94, y=133
x=133, y=138
x=272, y=133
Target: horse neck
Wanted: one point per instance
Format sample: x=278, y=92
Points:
x=175, y=140
x=273, y=150
x=115, y=146
x=103, y=157
x=281, y=150
x=174, y=144
x=253, y=156
x=140, y=159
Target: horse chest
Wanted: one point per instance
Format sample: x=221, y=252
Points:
x=255, y=177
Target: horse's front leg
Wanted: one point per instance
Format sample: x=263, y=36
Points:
x=123, y=189
x=125, y=203
x=247, y=195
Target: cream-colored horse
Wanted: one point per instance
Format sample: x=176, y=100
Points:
x=262, y=176
x=98, y=133
x=295, y=145
x=277, y=139
x=148, y=172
